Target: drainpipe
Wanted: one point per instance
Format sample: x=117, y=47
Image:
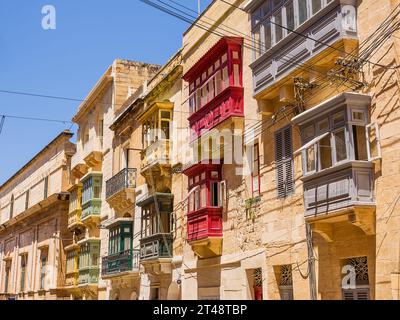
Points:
x=311, y=263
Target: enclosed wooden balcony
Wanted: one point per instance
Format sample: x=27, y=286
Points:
x=205, y=232
x=121, y=263
x=215, y=86
x=156, y=246
x=89, y=262
x=120, y=190
x=340, y=148
x=91, y=198
x=75, y=207
x=72, y=267
x=205, y=207
x=278, y=51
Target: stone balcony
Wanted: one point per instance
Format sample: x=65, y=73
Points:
x=120, y=190
x=88, y=156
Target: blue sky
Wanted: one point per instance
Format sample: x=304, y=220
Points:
x=67, y=61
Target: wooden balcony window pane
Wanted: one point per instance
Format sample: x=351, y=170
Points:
x=165, y=130
x=310, y=159
x=257, y=42
x=302, y=11
x=225, y=78
x=278, y=29
x=325, y=152
x=340, y=145
x=267, y=36
x=360, y=143
x=203, y=195
x=316, y=6
x=236, y=75
x=290, y=24
x=215, y=194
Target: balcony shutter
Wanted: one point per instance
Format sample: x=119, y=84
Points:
x=356, y=294
x=284, y=162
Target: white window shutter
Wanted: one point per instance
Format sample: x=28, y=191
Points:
x=375, y=128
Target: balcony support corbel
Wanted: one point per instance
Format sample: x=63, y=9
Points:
x=325, y=230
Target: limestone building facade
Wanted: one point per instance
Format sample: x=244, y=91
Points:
x=33, y=234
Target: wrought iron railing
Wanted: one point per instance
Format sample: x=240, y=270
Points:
x=124, y=179
x=120, y=262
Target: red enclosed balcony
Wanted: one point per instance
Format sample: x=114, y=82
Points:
x=215, y=86
x=205, y=208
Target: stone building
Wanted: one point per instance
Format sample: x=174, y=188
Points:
x=91, y=168
x=33, y=224
x=145, y=133
x=314, y=202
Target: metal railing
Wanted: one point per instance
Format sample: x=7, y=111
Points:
x=124, y=179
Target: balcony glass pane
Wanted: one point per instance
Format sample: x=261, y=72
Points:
x=340, y=145
x=225, y=78
x=215, y=194
x=267, y=36
x=316, y=6
x=325, y=152
x=302, y=11
x=310, y=159
x=165, y=130
x=290, y=16
x=360, y=143
x=236, y=75
x=278, y=29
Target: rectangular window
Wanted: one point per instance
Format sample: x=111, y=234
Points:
x=7, y=276
x=43, y=269
x=255, y=176
x=27, y=200
x=340, y=145
x=23, y=272
x=46, y=187
x=284, y=162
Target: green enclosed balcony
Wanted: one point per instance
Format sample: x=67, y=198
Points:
x=121, y=263
x=89, y=262
x=91, y=197
x=122, y=259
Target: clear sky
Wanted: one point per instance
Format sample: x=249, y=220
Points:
x=68, y=61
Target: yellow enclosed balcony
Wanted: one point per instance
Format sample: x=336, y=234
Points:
x=156, y=123
x=72, y=272
x=75, y=207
